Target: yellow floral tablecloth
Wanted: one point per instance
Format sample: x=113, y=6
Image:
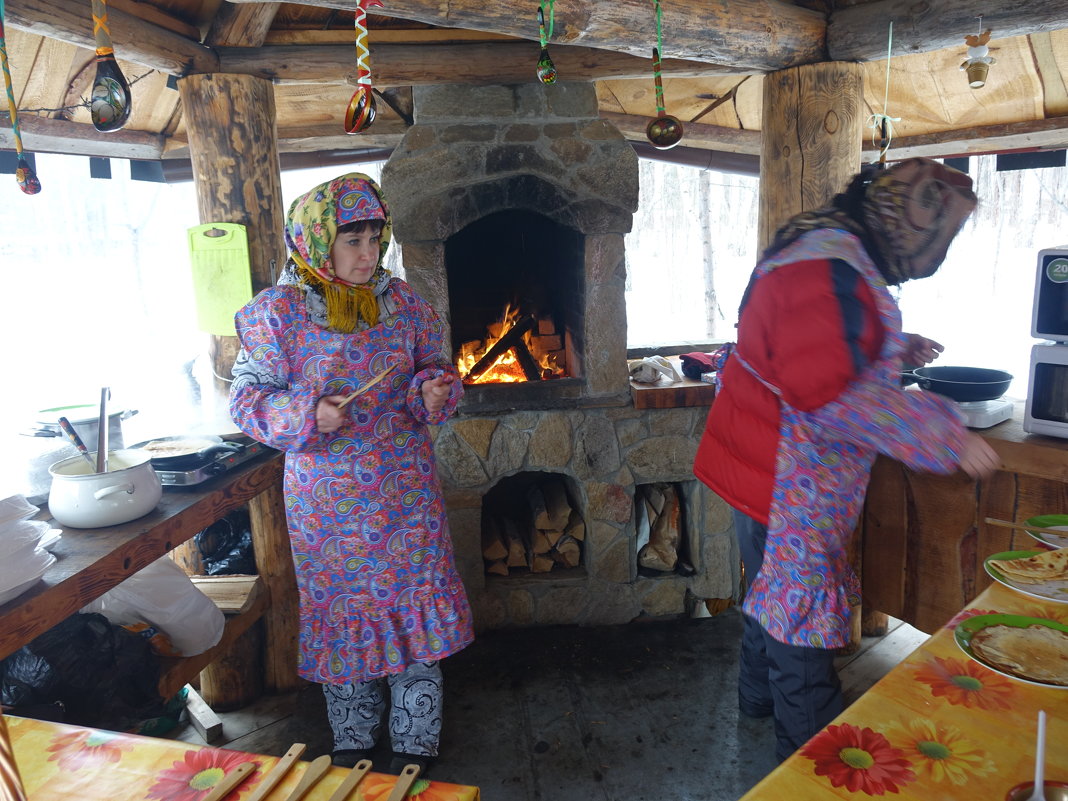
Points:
x=58, y=761
x=938, y=726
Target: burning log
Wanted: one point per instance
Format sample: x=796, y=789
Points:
x=512, y=339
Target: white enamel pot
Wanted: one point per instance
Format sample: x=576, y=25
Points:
x=83, y=499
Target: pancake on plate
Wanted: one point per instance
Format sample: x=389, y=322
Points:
x=1037, y=652
x=1047, y=566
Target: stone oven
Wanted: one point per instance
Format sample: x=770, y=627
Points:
x=518, y=197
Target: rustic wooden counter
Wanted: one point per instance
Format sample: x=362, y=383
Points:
x=92, y=561
x=924, y=537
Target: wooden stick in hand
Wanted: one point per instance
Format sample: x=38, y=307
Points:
x=348, y=398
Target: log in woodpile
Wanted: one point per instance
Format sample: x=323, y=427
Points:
x=544, y=534
x=659, y=512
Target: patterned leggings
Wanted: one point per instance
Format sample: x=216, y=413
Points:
x=355, y=711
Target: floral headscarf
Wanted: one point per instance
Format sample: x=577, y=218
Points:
x=906, y=215
x=311, y=228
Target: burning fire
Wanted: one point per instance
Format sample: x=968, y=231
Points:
x=507, y=367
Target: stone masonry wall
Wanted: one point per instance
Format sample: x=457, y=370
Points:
x=607, y=452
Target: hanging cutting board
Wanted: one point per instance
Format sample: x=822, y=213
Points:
x=222, y=279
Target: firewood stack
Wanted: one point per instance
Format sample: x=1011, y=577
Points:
x=659, y=514
x=547, y=533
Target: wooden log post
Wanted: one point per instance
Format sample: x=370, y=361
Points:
x=812, y=134
x=274, y=563
x=230, y=121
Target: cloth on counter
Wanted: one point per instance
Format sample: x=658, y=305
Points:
x=694, y=365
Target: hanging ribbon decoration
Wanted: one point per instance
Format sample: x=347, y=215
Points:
x=24, y=174
x=546, y=68
x=882, y=124
x=110, y=101
x=361, y=111
x=664, y=131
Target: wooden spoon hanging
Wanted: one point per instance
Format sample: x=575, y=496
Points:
x=111, y=101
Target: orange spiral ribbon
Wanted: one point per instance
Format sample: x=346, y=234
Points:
x=361, y=110
x=11, y=788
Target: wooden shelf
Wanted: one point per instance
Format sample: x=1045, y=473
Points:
x=662, y=395
x=176, y=673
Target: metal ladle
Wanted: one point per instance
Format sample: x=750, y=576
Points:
x=102, y=433
x=1038, y=793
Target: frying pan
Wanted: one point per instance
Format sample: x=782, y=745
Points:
x=185, y=453
x=962, y=384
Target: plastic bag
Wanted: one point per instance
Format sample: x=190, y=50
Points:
x=83, y=671
x=226, y=545
x=162, y=595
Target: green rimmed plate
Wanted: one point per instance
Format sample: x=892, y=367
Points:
x=1049, y=521
x=1056, y=590
x=971, y=626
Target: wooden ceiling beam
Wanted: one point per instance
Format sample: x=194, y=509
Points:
x=44, y=135
x=135, y=39
x=413, y=65
x=1047, y=134
x=747, y=35
x=245, y=25
x=860, y=32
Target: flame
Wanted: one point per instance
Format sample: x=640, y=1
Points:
x=506, y=369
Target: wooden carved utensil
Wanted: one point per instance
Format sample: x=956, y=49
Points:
x=230, y=781
x=315, y=771
x=278, y=772
x=111, y=102
x=359, y=770
x=349, y=398
x=76, y=441
x=404, y=782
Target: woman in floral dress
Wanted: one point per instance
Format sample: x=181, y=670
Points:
x=381, y=602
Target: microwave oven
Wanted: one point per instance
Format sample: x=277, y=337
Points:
x=1046, y=411
x=1049, y=318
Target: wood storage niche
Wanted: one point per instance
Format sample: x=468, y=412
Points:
x=661, y=529
x=532, y=523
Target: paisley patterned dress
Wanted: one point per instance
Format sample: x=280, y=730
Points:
x=805, y=589
x=376, y=577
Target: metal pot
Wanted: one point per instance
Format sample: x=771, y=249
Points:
x=962, y=384
x=86, y=421
x=83, y=499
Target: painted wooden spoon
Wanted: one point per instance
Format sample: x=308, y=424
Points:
x=111, y=102
x=404, y=782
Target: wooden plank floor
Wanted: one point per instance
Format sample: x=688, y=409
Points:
x=638, y=711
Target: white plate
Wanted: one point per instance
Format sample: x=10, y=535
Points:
x=1049, y=521
x=1056, y=590
x=16, y=507
x=14, y=592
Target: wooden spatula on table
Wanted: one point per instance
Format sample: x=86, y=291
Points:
x=230, y=781
x=315, y=771
x=359, y=770
x=404, y=782
x=278, y=772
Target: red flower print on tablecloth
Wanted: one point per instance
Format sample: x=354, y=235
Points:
x=75, y=749
x=378, y=786
x=859, y=760
x=196, y=775
x=966, y=683
x=939, y=751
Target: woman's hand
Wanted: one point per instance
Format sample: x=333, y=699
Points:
x=328, y=417
x=920, y=351
x=978, y=459
x=436, y=392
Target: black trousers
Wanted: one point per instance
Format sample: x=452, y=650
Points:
x=797, y=684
